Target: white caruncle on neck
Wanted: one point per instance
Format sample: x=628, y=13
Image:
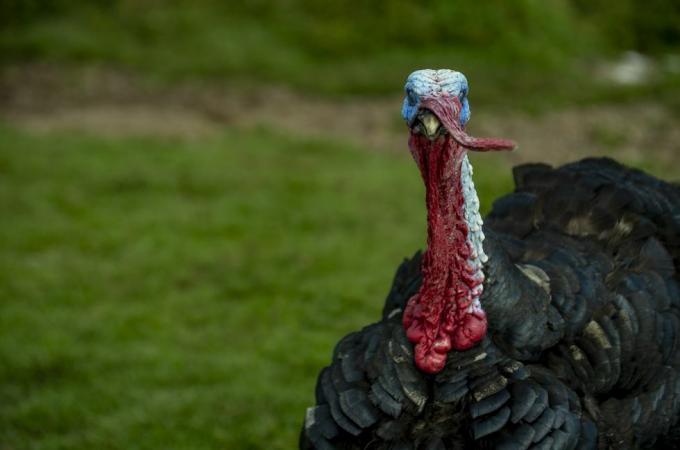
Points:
x=475, y=237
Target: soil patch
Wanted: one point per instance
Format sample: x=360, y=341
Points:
x=44, y=98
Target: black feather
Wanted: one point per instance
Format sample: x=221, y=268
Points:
x=489, y=404
x=491, y=424
x=544, y=424
x=356, y=406
x=523, y=399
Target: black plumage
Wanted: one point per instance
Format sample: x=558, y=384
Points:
x=583, y=306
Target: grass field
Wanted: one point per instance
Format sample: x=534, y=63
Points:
x=184, y=294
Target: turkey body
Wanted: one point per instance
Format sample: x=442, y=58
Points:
x=582, y=351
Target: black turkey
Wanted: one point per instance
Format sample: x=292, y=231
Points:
x=560, y=332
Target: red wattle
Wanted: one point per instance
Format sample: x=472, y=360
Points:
x=445, y=314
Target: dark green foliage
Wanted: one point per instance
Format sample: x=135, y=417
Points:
x=522, y=46
x=646, y=25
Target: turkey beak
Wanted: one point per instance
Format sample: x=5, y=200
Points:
x=430, y=124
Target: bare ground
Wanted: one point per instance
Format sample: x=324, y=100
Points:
x=43, y=98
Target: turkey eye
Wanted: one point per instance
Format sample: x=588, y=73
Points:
x=411, y=97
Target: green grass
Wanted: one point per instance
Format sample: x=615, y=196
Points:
x=184, y=294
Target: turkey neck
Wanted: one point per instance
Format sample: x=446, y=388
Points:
x=446, y=313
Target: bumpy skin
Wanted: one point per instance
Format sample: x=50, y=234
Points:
x=583, y=307
x=445, y=313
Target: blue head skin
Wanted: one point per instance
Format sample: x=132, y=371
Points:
x=430, y=82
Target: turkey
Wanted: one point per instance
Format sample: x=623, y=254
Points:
x=554, y=324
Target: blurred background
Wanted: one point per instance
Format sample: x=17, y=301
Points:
x=199, y=198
